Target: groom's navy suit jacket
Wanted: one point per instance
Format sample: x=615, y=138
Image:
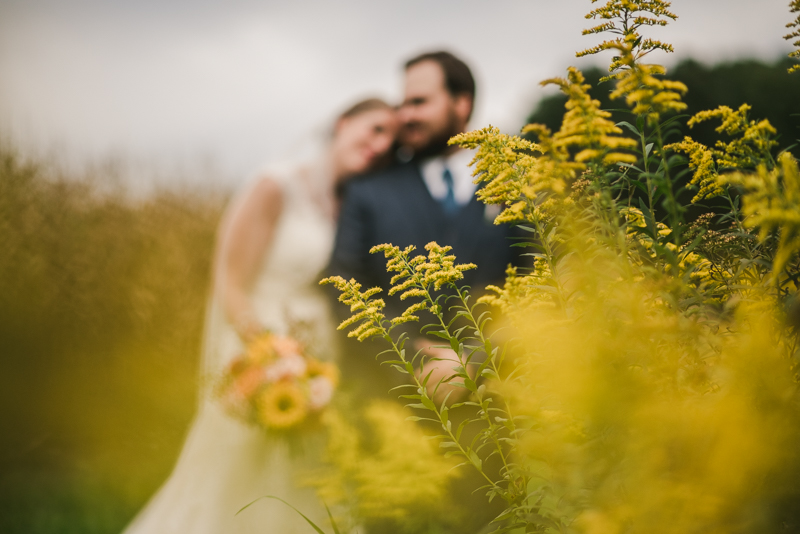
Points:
x=394, y=206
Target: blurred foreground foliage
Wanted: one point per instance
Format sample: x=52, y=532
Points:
x=102, y=299
x=642, y=374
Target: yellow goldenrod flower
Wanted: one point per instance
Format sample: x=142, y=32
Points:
x=794, y=8
x=637, y=82
x=521, y=291
x=625, y=17
x=772, y=202
x=585, y=125
x=643, y=91
x=752, y=143
x=367, y=309
x=701, y=161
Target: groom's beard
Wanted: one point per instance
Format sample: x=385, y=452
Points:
x=437, y=144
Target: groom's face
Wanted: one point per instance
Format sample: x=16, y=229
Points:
x=429, y=115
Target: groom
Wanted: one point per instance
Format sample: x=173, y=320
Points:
x=429, y=198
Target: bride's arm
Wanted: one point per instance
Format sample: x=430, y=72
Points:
x=245, y=234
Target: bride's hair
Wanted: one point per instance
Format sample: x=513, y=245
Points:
x=368, y=104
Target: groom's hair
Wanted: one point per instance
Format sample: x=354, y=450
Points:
x=457, y=77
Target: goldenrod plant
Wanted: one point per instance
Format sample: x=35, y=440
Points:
x=641, y=374
x=794, y=6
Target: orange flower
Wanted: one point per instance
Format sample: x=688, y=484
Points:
x=249, y=380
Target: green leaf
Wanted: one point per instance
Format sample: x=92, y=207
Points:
x=473, y=457
x=470, y=384
x=461, y=428
x=629, y=126
x=313, y=525
x=330, y=516
x=489, y=373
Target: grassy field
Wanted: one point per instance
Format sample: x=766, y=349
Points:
x=101, y=306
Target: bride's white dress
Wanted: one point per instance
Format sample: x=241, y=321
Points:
x=225, y=464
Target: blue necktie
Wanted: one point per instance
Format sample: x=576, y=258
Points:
x=449, y=202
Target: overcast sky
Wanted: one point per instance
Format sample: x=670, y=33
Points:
x=239, y=83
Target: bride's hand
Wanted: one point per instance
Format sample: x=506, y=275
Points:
x=442, y=366
x=245, y=236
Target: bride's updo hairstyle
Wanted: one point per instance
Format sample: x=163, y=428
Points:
x=363, y=106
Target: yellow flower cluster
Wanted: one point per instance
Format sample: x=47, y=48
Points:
x=630, y=395
x=521, y=291
x=585, y=125
x=795, y=8
x=365, y=308
x=415, y=276
x=624, y=18
x=437, y=270
x=532, y=187
x=772, y=202
x=701, y=161
x=637, y=82
x=646, y=94
x=513, y=176
x=753, y=143
x=396, y=472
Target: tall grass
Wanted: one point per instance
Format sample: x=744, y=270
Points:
x=101, y=307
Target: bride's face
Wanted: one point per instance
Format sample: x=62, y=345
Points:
x=362, y=140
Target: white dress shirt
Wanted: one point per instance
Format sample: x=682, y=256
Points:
x=432, y=170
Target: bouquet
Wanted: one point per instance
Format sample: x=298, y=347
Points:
x=274, y=384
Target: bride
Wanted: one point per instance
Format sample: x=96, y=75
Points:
x=273, y=243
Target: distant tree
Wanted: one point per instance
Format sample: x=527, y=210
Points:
x=772, y=93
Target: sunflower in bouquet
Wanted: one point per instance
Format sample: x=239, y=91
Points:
x=275, y=384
